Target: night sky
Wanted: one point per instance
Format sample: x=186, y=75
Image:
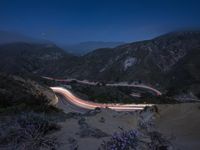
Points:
x=71, y=21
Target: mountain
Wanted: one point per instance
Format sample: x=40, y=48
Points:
x=185, y=74
x=170, y=61
x=11, y=37
x=25, y=57
x=85, y=47
x=164, y=61
x=145, y=60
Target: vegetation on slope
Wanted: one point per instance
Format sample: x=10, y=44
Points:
x=26, y=117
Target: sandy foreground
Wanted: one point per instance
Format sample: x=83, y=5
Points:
x=182, y=123
x=108, y=121
x=179, y=122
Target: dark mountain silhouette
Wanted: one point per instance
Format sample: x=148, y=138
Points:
x=11, y=37
x=85, y=47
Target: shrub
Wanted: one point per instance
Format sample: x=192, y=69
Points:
x=122, y=141
x=28, y=131
x=135, y=140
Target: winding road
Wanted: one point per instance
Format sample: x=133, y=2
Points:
x=73, y=100
x=157, y=92
x=92, y=105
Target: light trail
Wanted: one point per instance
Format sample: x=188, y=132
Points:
x=158, y=93
x=92, y=105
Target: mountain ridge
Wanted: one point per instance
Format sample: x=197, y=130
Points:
x=13, y=37
x=88, y=46
x=151, y=62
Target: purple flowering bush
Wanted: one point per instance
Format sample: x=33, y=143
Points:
x=122, y=141
x=134, y=140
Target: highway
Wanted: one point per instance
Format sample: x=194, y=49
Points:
x=67, y=106
x=158, y=93
x=88, y=105
x=69, y=99
x=142, y=86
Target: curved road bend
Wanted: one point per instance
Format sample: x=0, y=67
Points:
x=158, y=93
x=67, y=106
x=92, y=105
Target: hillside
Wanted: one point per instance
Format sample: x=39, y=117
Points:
x=27, y=114
x=17, y=91
x=27, y=120
x=160, y=61
x=145, y=60
x=169, y=62
x=85, y=47
x=29, y=58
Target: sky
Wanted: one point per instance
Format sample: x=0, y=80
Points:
x=73, y=21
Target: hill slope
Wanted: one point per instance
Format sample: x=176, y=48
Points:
x=168, y=61
x=26, y=57
x=147, y=60
x=85, y=47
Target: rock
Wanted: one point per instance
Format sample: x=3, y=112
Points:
x=102, y=120
x=73, y=143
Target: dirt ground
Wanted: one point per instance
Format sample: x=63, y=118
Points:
x=182, y=123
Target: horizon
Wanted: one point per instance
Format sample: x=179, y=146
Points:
x=80, y=42
x=96, y=41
